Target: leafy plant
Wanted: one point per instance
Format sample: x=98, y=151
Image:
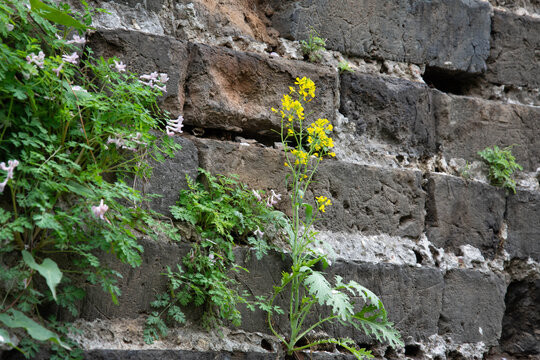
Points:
x=305, y=147
x=73, y=129
x=344, y=66
x=502, y=165
x=313, y=46
x=224, y=213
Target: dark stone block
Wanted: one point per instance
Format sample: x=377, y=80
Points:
x=449, y=34
x=461, y=212
x=144, y=54
x=472, y=306
x=235, y=91
x=466, y=125
x=523, y=216
x=393, y=110
x=515, y=44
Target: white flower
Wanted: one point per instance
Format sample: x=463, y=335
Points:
x=257, y=195
x=36, y=59
x=78, y=88
x=174, y=126
x=58, y=69
x=258, y=233
x=152, y=77
x=99, y=211
x=273, y=199
x=10, y=27
x=120, y=66
x=77, y=40
x=71, y=58
x=161, y=88
x=163, y=78
x=12, y=164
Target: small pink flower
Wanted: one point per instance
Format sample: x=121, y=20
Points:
x=273, y=199
x=163, y=78
x=152, y=77
x=257, y=195
x=258, y=233
x=161, y=88
x=120, y=66
x=78, y=88
x=77, y=40
x=174, y=126
x=99, y=211
x=71, y=58
x=36, y=59
x=58, y=69
x=12, y=164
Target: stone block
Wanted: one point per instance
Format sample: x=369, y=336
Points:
x=463, y=212
x=412, y=296
x=235, y=91
x=152, y=5
x=466, y=125
x=393, y=110
x=472, y=306
x=365, y=198
x=515, y=50
x=523, y=217
x=169, y=176
x=139, y=285
x=448, y=34
x=144, y=53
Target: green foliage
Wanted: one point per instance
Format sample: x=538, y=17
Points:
x=73, y=130
x=225, y=213
x=313, y=46
x=502, y=165
x=305, y=147
x=344, y=66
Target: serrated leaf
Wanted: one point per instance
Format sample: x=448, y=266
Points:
x=16, y=319
x=318, y=286
x=48, y=269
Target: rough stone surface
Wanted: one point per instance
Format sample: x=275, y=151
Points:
x=235, y=91
x=515, y=50
x=523, y=217
x=466, y=125
x=463, y=212
x=169, y=176
x=371, y=200
x=450, y=34
x=472, y=306
x=139, y=286
x=364, y=198
x=393, y=110
x=532, y=6
x=412, y=296
x=145, y=53
x=521, y=322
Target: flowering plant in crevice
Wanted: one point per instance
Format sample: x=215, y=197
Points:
x=305, y=146
x=224, y=213
x=74, y=128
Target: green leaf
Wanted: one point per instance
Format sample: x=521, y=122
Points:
x=309, y=212
x=318, y=286
x=55, y=15
x=4, y=338
x=17, y=319
x=48, y=269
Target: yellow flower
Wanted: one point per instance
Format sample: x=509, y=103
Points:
x=332, y=154
x=286, y=165
x=274, y=110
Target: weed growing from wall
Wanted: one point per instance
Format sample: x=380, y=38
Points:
x=73, y=129
x=306, y=145
x=225, y=213
x=313, y=46
x=502, y=165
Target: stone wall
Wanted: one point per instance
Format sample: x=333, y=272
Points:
x=455, y=260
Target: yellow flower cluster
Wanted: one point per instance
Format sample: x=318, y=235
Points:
x=323, y=201
x=318, y=137
x=301, y=157
x=306, y=87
